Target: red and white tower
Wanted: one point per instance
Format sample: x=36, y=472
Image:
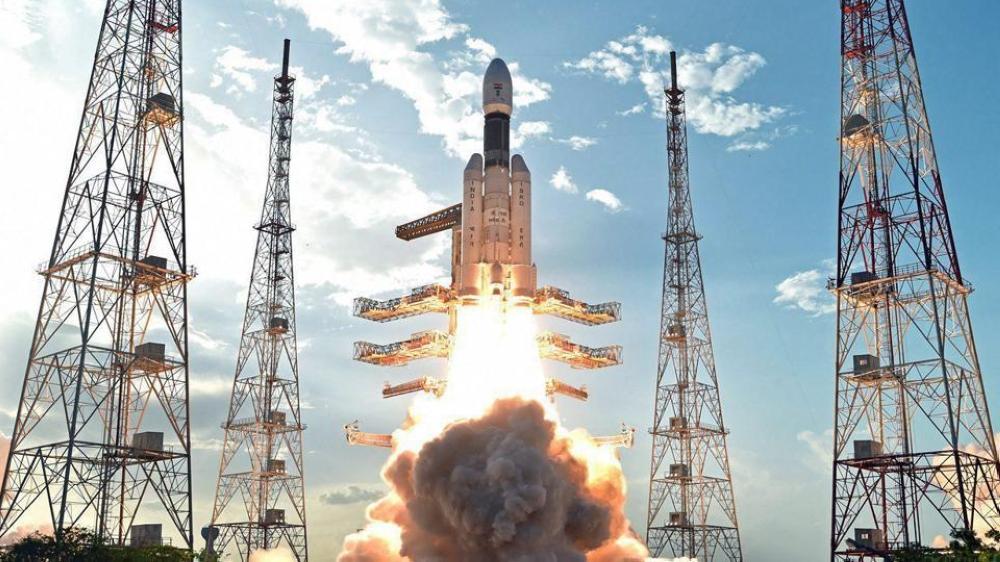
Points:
x=260, y=494
x=102, y=436
x=914, y=453
x=692, y=511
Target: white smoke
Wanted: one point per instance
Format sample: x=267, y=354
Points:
x=280, y=554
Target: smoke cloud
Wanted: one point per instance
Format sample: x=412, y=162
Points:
x=22, y=532
x=507, y=487
x=281, y=554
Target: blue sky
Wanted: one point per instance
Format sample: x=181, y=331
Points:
x=386, y=119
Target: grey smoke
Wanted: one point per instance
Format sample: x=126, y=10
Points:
x=495, y=489
x=351, y=494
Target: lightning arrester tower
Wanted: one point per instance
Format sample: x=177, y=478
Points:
x=261, y=469
x=914, y=452
x=692, y=512
x=102, y=436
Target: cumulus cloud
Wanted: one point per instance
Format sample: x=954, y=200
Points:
x=390, y=38
x=529, y=129
x=562, y=181
x=213, y=386
x=241, y=67
x=820, y=449
x=610, y=201
x=709, y=77
x=806, y=291
x=16, y=30
x=350, y=495
x=748, y=146
x=579, y=143
x=333, y=190
x=634, y=110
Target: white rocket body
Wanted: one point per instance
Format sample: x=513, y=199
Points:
x=496, y=205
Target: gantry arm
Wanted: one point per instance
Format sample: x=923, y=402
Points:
x=557, y=302
x=558, y=347
x=429, y=385
x=422, y=300
x=431, y=224
x=625, y=439
x=432, y=343
x=357, y=437
x=556, y=386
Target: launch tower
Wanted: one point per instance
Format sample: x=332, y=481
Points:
x=692, y=512
x=260, y=497
x=102, y=436
x=914, y=452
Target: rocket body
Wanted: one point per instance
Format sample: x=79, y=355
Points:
x=496, y=205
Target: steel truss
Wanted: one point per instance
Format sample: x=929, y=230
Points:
x=264, y=420
x=102, y=436
x=692, y=512
x=914, y=452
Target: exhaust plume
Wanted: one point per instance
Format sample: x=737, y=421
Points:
x=280, y=554
x=487, y=473
x=502, y=488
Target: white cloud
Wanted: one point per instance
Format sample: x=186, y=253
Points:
x=16, y=30
x=758, y=140
x=709, y=78
x=333, y=191
x=345, y=100
x=352, y=494
x=307, y=86
x=204, y=340
x=241, y=67
x=483, y=50
x=562, y=181
x=41, y=133
x=606, y=63
x=606, y=198
x=579, y=143
x=214, y=386
x=820, y=447
x=806, y=290
x=634, y=110
x=389, y=37
x=528, y=129
x=748, y=146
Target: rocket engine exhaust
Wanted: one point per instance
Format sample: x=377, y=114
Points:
x=504, y=487
x=483, y=470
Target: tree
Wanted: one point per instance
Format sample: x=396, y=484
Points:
x=965, y=546
x=76, y=545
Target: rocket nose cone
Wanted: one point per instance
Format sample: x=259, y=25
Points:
x=517, y=164
x=475, y=164
x=498, y=88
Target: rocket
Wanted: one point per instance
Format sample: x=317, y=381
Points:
x=495, y=255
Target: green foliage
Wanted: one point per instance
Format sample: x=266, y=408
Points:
x=74, y=545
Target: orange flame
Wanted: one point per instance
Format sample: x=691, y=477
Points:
x=494, y=357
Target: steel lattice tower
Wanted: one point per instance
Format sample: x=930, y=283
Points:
x=914, y=453
x=264, y=414
x=692, y=512
x=102, y=437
